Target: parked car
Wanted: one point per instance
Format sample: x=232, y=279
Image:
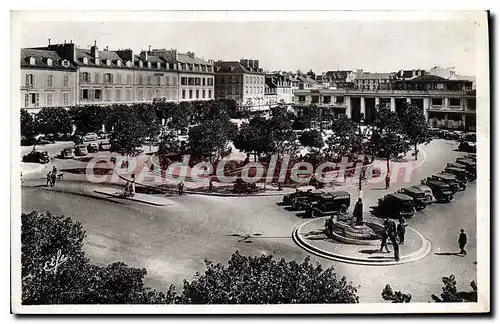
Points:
x=440, y=190
x=68, y=153
x=418, y=195
x=429, y=196
x=37, y=157
x=330, y=203
x=81, y=150
x=469, y=165
x=473, y=157
x=470, y=176
x=92, y=147
x=396, y=205
x=467, y=147
x=449, y=179
x=460, y=173
x=104, y=146
x=301, y=191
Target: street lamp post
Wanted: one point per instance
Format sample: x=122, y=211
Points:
x=358, y=208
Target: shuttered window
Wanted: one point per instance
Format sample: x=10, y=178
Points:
x=26, y=100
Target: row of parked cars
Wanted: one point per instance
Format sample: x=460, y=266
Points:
x=405, y=203
x=439, y=187
x=90, y=143
x=467, y=139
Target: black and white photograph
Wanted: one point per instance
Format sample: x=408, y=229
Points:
x=250, y=162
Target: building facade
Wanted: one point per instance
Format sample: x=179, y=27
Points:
x=445, y=103
x=47, y=80
x=374, y=81
x=243, y=81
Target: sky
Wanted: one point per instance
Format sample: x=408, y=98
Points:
x=374, y=46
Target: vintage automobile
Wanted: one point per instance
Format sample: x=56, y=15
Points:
x=81, y=150
x=92, y=147
x=104, y=146
x=241, y=187
x=329, y=203
x=440, y=190
x=470, y=137
x=396, y=205
x=460, y=173
x=37, y=157
x=473, y=157
x=300, y=191
x=429, y=196
x=67, y=153
x=418, y=195
x=451, y=180
x=469, y=147
x=303, y=202
x=469, y=165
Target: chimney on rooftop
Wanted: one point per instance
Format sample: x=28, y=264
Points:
x=94, y=51
x=49, y=41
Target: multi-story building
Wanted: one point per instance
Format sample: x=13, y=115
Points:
x=374, y=81
x=47, y=80
x=446, y=103
x=242, y=81
x=196, y=76
x=270, y=91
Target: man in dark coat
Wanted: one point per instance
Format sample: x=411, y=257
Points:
x=383, y=243
x=54, y=175
x=180, y=188
x=462, y=240
x=396, y=250
x=358, y=212
x=401, y=230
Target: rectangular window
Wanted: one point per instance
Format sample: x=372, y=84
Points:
x=65, y=98
x=302, y=98
x=174, y=79
x=203, y=93
x=168, y=80
x=150, y=80
x=158, y=82
x=454, y=102
x=97, y=78
x=50, y=78
x=197, y=81
x=98, y=94
x=203, y=81
x=210, y=81
x=229, y=79
x=197, y=94
x=339, y=99
x=190, y=94
x=209, y=94
x=118, y=78
x=140, y=94
x=108, y=78
x=26, y=99
x=183, y=94
x=129, y=79
x=129, y=94
x=150, y=94
x=190, y=81
x=65, y=81
x=437, y=101
x=50, y=96
x=30, y=80
x=85, y=94
x=118, y=95
x=183, y=81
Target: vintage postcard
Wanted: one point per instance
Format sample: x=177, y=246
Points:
x=250, y=162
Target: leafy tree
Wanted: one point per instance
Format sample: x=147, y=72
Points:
x=395, y=296
x=281, y=135
x=53, y=120
x=417, y=129
x=264, y=280
x=311, y=112
x=180, y=115
x=450, y=293
x=253, y=137
x=210, y=139
x=130, y=130
x=28, y=126
x=147, y=116
x=46, y=238
x=345, y=140
x=312, y=139
x=231, y=107
x=88, y=118
x=388, y=137
x=299, y=123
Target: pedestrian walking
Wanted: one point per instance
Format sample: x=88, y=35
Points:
x=211, y=185
x=395, y=245
x=180, y=188
x=387, y=181
x=49, y=179
x=54, y=175
x=401, y=230
x=391, y=229
x=462, y=240
x=383, y=243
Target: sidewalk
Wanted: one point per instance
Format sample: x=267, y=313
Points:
x=138, y=197
x=27, y=168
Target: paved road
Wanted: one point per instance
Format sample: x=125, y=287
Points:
x=172, y=241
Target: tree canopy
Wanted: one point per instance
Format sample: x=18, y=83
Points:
x=311, y=139
x=53, y=120
x=28, y=126
x=415, y=126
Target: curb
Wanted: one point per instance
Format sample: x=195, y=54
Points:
x=128, y=198
x=415, y=256
x=234, y=195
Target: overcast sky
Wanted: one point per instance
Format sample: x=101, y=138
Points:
x=370, y=45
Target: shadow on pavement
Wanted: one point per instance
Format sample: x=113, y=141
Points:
x=448, y=253
x=370, y=251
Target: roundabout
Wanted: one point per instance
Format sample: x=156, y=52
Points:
x=357, y=244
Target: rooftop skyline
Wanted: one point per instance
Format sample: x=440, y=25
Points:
x=374, y=46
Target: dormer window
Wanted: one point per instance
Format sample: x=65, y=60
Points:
x=158, y=65
x=140, y=63
x=96, y=61
x=85, y=60
x=49, y=62
x=149, y=65
x=65, y=63
x=108, y=62
x=167, y=65
x=128, y=64
x=119, y=63
x=32, y=61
